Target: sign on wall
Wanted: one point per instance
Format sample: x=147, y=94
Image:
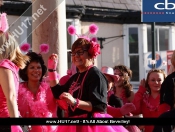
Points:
x=158, y=10
x=162, y=61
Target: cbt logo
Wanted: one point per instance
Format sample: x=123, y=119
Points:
x=158, y=60
x=165, y=6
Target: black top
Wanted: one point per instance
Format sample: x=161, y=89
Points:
x=167, y=90
x=115, y=101
x=94, y=90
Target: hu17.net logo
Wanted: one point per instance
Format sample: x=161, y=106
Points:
x=158, y=11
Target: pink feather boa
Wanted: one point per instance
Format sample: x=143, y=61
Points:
x=38, y=105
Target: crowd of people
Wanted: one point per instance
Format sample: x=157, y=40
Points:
x=85, y=92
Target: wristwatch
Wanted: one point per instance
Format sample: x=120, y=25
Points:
x=51, y=70
x=75, y=102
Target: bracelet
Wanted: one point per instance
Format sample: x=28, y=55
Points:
x=51, y=70
x=77, y=103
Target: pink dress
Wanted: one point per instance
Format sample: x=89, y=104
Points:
x=40, y=105
x=3, y=105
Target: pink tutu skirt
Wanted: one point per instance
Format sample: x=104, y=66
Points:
x=96, y=128
x=16, y=129
x=40, y=128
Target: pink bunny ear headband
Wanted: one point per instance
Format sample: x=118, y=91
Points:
x=94, y=49
x=44, y=48
x=3, y=22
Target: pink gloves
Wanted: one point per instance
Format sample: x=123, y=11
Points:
x=128, y=107
x=52, y=64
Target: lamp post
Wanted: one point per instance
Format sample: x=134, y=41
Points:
x=153, y=43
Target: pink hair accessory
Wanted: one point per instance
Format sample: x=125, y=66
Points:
x=94, y=49
x=3, y=22
x=25, y=47
x=44, y=48
x=93, y=29
x=72, y=30
x=94, y=39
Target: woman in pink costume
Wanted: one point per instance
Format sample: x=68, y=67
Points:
x=11, y=59
x=35, y=97
x=86, y=91
x=147, y=98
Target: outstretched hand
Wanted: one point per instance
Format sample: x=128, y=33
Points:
x=142, y=83
x=52, y=61
x=128, y=107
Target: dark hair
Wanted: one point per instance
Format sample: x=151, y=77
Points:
x=34, y=57
x=81, y=43
x=123, y=69
x=126, y=82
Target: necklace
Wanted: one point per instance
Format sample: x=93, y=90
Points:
x=146, y=96
x=73, y=88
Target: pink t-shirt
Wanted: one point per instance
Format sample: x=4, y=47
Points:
x=3, y=105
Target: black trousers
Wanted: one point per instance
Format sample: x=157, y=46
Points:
x=169, y=128
x=5, y=128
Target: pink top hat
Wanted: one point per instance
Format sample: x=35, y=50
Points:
x=110, y=72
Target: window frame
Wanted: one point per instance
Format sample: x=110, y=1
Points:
x=157, y=28
x=143, y=47
x=126, y=49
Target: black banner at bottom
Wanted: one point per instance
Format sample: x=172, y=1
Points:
x=90, y=121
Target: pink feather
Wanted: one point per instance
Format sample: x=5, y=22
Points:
x=25, y=47
x=3, y=22
x=44, y=48
x=71, y=30
x=93, y=29
x=94, y=39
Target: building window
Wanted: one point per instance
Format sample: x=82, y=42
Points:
x=161, y=38
x=134, y=53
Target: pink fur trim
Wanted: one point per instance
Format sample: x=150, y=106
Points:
x=71, y=30
x=25, y=47
x=93, y=29
x=44, y=48
x=38, y=107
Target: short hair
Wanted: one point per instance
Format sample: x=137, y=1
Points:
x=81, y=43
x=9, y=49
x=34, y=57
